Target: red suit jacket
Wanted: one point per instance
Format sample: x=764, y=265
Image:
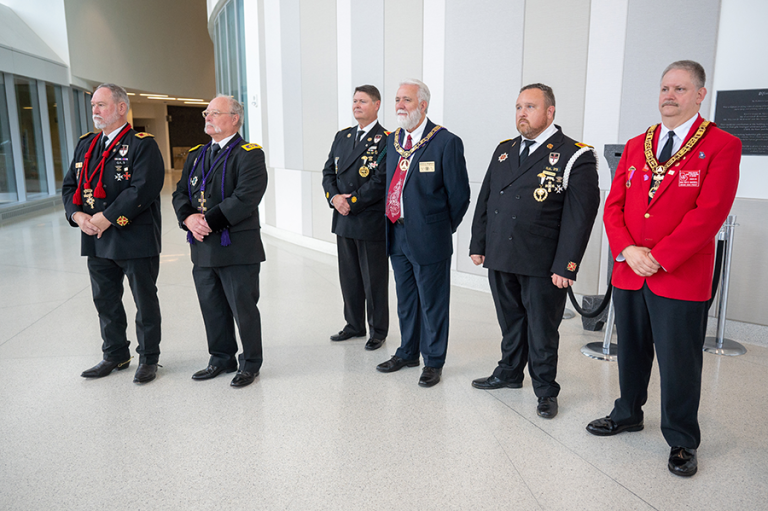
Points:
x=680, y=223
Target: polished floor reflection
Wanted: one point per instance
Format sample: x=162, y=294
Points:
x=321, y=428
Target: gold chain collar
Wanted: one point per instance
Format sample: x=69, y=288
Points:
x=650, y=158
x=407, y=154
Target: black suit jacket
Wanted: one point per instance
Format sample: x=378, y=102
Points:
x=132, y=181
x=360, y=171
x=435, y=193
x=518, y=233
x=245, y=182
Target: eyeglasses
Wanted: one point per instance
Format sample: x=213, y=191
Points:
x=215, y=113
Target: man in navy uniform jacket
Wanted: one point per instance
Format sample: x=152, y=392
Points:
x=427, y=196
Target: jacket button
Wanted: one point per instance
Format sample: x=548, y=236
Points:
x=514, y=217
x=501, y=192
x=496, y=212
x=647, y=215
x=517, y=196
x=510, y=239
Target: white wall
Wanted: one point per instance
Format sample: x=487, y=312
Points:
x=47, y=19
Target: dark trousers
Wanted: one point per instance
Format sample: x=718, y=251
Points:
x=676, y=328
x=423, y=300
x=107, y=288
x=364, y=277
x=529, y=310
x=229, y=295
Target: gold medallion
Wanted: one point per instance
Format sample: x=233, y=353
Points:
x=404, y=164
x=364, y=171
x=540, y=194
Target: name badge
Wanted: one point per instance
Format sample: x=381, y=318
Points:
x=79, y=165
x=426, y=166
x=689, y=178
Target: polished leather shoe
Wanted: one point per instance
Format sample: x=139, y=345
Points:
x=395, y=364
x=212, y=372
x=145, y=373
x=105, y=367
x=374, y=344
x=430, y=376
x=606, y=427
x=344, y=335
x=243, y=378
x=682, y=461
x=493, y=382
x=547, y=407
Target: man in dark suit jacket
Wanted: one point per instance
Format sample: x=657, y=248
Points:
x=217, y=202
x=674, y=187
x=112, y=192
x=532, y=223
x=353, y=180
x=427, y=196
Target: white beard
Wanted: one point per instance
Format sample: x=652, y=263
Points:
x=408, y=120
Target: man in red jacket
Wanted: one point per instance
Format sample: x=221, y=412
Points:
x=673, y=189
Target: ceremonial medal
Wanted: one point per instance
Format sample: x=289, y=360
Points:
x=364, y=171
x=118, y=177
x=194, y=181
x=404, y=164
x=118, y=168
x=88, y=194
x=336, y=164
x=376, y=139
x=550, y=146
x=540, y=194
x=503, y=157
x=201, y=201
x=123, y=149
x=553, y=158
x=79, y=165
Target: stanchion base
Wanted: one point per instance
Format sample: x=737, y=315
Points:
x=730, y=348
x=569, y=314
x=595, y=350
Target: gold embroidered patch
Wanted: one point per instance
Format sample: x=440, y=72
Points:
x=144, y=135
x=579, y=144
x=122, y=221
x=83, y=136
x=571, y=266
x=327, y=195
x=196, y=147
x=354, y=199
x=251, y=146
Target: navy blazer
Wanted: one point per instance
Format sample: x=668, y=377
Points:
x=435, y=193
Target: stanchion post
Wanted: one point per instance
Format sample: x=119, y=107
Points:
x=719, y=345
x=605, y=350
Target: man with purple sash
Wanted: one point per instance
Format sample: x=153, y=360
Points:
x=216, y=202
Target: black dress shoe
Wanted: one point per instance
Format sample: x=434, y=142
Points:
x=374, y=344
x=492, y=382
x=145, y=373
x=105, y=367
x=547, y=407
x=344, y=335
x=430, y=376
x=212, y=372
x=243, y=378
x=606, y=427
x=395, y=364
x=682, y=461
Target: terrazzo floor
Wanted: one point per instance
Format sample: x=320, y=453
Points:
x=321, y=428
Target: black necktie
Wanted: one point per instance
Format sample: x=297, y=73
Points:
x=214, y=151
x=102, y=145
x=524, y=154
x=359, y=137
x=666, y=151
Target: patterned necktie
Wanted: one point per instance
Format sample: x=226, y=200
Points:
x=396, y=186
x=524, y=154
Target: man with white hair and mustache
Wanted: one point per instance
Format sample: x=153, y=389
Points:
x=112, y=193
x=427, y=196
x=673, y=189
x=216, y=202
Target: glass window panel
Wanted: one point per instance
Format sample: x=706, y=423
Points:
x=223, y=53
x=234, y=81
x=30, y=127
x=7, y=176
x=58, y=133
x=242, y=65
x=77, y=101
x=87, y=108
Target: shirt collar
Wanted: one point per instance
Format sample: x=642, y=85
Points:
x=368, y=128
x=417, y=133
x=111, y=136
x=681, y=131
x=543, y=136
x=223, y=142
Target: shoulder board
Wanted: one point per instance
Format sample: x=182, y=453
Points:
x=507, y=140
x=196, y=147
x=144, y=135
x=251, y=146
x=579, y=144
x=387, y=133
x=89, y=133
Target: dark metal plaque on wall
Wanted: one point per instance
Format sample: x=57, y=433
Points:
x=744, y=113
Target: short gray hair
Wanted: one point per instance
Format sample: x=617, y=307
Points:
x=696, y=70
x=235, y=108
x=118, y=93
x=423, y=93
